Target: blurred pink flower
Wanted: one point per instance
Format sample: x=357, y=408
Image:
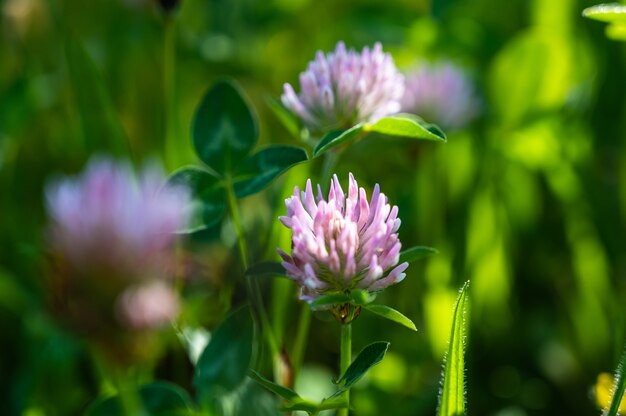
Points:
x=106, y=220
x=343, y=243
x=147, y=306
x=343, y=88
x=441, y=93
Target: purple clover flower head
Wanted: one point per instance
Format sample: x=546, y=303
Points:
x=441, y=93
x=109, y=221
x=343, y=243
x=344, y=87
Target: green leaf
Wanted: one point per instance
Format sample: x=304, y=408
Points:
x=330, y=300
x=335, y=138
x=282, y=391
x=258, y=170
x=266, y=268
x=159, y=399
x=452, y=396
x=224, y=128
x=208, y=196
x=294, y=401
x=224, y=363
x=416, y=253
x=406, y=125
x=367, y=358
x=314, y=408
x=611, y=12
x=102, y=130
x=619, y=387
x=616, y=31
x=391, y=314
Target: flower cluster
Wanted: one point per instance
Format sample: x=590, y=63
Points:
x=441, y=93
x=112, y=231
x=343, y=88
x=343, y=243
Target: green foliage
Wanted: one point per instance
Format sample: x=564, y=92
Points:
x=266, y=268
x=224, y=363
x=208, y=196
x=224, y=128
x=452, y=395
x=391, y=314
x=158, y=399
x=293, y=401
x=367, y=358
x=401, y=125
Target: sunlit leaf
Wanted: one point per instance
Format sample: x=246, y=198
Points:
x=367, y=358
x=224, y=128
x=208, y=197
x=335, y=138
x=391, y=314
x=314, y=408
x=101, y=128
x=257, y=171
x=224, y=363
x=610, y=12
x=158, y=399
x=416, y=253
x=452, y=396
x=406, y=125
x=616, y=31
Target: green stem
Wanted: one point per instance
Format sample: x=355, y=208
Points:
x=344, y=363
x=254, y=292
x=128, y=394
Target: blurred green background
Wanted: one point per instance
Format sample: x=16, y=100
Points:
x=528, y=202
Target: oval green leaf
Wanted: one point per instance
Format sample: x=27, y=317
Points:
x=257, y=171
x=452, y=396
x=284, y=392
x=224, y=128
x=335, y=138
x=208, y=203
x=391, y=314
x=416, y=253
x=611, y=12
x=159, y=399
x=367, y=358
x=406, y=125
x=224, y=363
